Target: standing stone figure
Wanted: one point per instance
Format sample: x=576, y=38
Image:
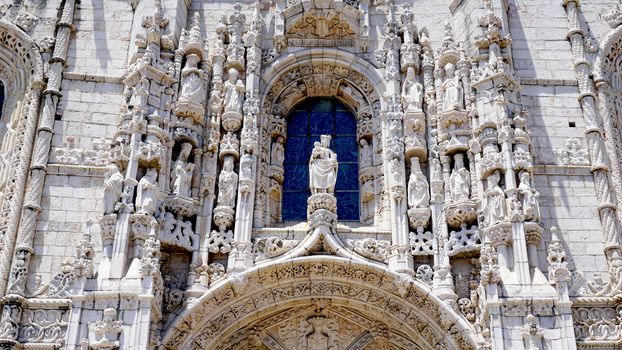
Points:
x=192, y=87
x=234, y=92
x=366, y=154
x=147, y=194
x=277, y=154
x=227, y=184
x=412, y=91
x=181, y=176
x=460, y=181
x=322, y=167
x=418, y=187
x=113, y=188
x=246, y=166
x=495, y=207
x=452, y=90
x=531, y=208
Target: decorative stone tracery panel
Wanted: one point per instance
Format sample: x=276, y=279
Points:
x=368, y=292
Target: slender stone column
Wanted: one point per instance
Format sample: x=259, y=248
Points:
x=603, y=170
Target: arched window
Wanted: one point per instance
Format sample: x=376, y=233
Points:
x=306, y=122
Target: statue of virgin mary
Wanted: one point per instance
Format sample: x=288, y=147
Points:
x=322, y=167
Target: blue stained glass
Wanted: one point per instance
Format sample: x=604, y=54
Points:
x=294, y=204
x=345, y=124
x=347, y=177
x=297, y=124
x=296, y=177
x=310, y=119
x=347, y=205
x=321, y=123
x=346, y=148
x=297, y=149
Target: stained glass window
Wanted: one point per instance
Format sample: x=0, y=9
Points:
x=305, y=124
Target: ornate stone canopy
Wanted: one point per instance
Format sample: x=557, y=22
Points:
x=313, y=292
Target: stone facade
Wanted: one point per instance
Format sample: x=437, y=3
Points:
x=143, y=166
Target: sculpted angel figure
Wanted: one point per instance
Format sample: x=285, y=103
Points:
x=192, y=86
x=113, y=188
x=234, y=92
x=495, y=207
x=322, y=167
x=418, y=187
x=452, y=90
x=412, y=91
x=147, y=193
x=460, y=180
x=227, y=184
x=531, y=208
x=181, y=175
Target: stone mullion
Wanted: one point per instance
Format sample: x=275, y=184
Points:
x=595, y=136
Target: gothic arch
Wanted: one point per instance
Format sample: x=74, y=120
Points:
x=21, y=69
x=234, y=308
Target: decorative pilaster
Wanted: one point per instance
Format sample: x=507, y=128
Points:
x=241, y=257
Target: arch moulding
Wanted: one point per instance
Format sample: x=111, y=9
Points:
x=321, y=72
x=232, y=311
x=21, y=68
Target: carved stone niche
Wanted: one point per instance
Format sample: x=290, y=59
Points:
x=414, y=135
x=454, y=130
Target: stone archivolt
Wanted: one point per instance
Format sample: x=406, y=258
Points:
x=272, y=294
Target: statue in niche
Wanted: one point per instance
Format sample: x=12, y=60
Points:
x=366, y=154
x=6, y=150
x=181, y=175
x=246, y=166
x=322, y=167
x=277, y=154
x=227, y=184
x=495, y=207
x=418, y=187
x=113, y=188
x=192, y=86
x=368, y=194
x=436, y=170
x=531, y=208
x=460, y=180
x=234, y=92
x=147, y=194
x=452, y=90
x=412, y=91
